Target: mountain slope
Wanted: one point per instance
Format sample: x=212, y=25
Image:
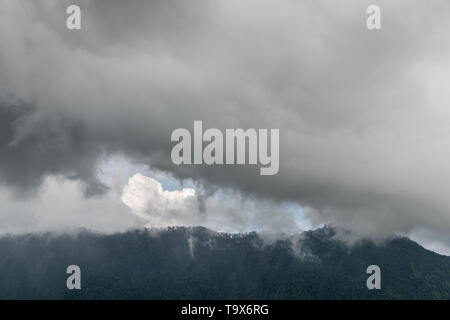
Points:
x=195, y=263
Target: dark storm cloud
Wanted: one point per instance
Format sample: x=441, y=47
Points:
x=61, y=149
x=363, y=134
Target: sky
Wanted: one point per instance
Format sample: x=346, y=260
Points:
x=86, y=115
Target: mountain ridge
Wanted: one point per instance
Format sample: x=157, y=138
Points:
x=198, y=263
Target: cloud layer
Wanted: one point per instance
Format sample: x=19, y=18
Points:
x=363, y=116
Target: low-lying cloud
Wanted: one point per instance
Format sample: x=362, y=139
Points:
x=221, y=211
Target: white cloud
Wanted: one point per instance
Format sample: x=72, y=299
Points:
x=224, y=211
x=146, y=197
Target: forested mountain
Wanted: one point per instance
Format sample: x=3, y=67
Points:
x=196, y=263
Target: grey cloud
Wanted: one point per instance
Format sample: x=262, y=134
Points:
x=363, y=135
x=60, y=206
x=30, y=151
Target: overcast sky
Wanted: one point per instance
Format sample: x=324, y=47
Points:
x=363, y=115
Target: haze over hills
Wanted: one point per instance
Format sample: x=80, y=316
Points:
x=196, y=263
